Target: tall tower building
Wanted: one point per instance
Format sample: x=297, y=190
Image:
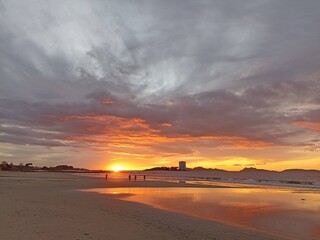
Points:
x=182, y=166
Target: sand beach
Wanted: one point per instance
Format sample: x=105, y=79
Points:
x=48, y=206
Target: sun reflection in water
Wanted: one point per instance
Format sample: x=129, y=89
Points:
x=256, y=208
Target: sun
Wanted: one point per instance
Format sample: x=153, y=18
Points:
x=117, y=168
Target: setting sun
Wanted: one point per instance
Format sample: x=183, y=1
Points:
x=117, y=168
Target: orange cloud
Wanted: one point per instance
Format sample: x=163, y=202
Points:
x=166, y=125
x=311, y=125
x=135, y=141
x=107, y=101
x=127, y=133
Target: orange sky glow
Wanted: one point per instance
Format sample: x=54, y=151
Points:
x=129, y=150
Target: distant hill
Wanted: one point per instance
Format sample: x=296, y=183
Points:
x=262, y=174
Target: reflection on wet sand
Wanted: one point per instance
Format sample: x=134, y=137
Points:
x=294, y=214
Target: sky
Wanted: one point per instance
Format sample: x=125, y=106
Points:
x=143, y=83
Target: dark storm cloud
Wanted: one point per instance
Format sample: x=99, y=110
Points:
x=186, y=68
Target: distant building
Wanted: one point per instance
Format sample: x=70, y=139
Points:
x=182, y=166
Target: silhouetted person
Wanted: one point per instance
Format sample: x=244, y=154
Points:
x=129, y=177
x=135, y=177
x=144, y=177
x=106, y=177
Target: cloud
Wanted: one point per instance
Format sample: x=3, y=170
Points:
x=167, y=76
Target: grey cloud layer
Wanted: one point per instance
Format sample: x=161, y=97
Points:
x=209, y=68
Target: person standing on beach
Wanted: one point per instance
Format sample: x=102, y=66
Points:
x=144, y=177
x=106, y=177
x=135, y=177
x=129, y=177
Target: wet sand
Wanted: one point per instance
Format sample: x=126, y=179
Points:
x=47, y=206
x=293, y=213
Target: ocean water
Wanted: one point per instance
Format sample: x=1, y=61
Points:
x=186, y=177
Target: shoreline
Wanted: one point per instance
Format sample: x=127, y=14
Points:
x=207, y=181
x=49, y=206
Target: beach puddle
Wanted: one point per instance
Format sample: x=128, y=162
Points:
x=286, y=212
